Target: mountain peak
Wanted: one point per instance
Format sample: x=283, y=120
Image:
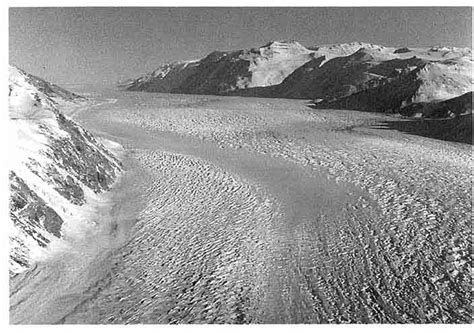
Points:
x=282, y=44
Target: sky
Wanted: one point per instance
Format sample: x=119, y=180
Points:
x=105, y=45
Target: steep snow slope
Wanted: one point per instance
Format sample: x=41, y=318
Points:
x=444, y=79
x=271, y=63
x=57, y=167
x=31, y=97
x=340, y=76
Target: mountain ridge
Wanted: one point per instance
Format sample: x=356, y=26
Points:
x=58, y=170
x=328, y=74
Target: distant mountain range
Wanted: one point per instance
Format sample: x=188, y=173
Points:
x=357, y=76
x=57, y=167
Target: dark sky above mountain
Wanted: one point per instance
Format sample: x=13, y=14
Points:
x=81, y=45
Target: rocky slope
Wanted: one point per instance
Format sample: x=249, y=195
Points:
x=57, y=167
x=450, y=108
x=358, y=76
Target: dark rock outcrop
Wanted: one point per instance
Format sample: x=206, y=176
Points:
x=28, y=211
x=388, y=95
x=450, y=108
x=457, y=129
x=217, y=73
x=83, y=156
x=402, y=50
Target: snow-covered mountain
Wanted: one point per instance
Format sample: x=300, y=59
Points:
x=57, y=168
x=360, y=76
x=370, y=81
x=221, y=72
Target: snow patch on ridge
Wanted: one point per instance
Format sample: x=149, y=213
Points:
x=274, y=62
x=444, y=80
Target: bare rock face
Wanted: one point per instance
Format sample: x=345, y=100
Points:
x=83, y=157
x=57, y=168
x=357, y=76
x=26, y=205
x=381, y=87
